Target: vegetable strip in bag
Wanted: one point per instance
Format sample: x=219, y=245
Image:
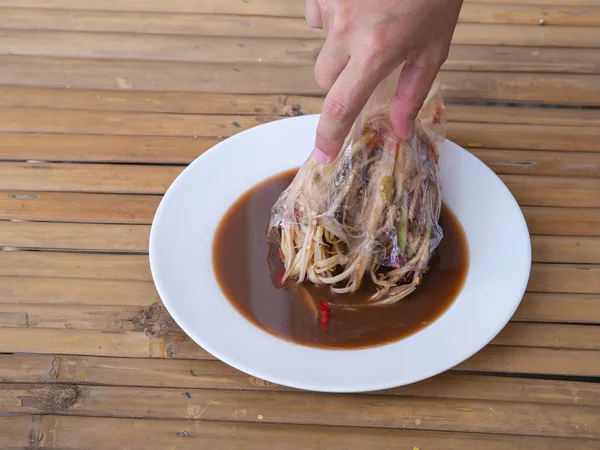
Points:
x=373, y=212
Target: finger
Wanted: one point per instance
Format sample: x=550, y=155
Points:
x=331, y=61
x=414, y=83
x=345, y=100
x=313, y=14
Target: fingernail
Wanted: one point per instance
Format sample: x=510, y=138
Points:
x=320, y=157
x=410, y=129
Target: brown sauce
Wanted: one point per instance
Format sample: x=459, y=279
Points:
x=246, y=266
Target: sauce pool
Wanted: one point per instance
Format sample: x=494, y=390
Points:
x=247, y=265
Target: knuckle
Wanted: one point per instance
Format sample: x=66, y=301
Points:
x=374, y=49
x=336, y=109
x=341, y=25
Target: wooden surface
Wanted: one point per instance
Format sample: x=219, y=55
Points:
x=103, y=103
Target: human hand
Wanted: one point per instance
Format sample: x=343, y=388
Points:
x=366, y=41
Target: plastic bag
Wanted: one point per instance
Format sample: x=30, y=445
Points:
x=373, y=212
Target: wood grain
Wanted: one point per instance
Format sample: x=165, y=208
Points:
x=145, y=179
x=207, y=49
x=172, y=147
x=15, y=432
x=565, y=249
x=544, y=335
x=521, y=162
x=563, y=221
x=534, y=137
x=130, y=344
x=134, y=238
x=70, y=236
x=554, y=191
x=256, y=7
x=535, y=307
x=74, y=207
x=88, y=177
x=175, y=102
x=304, y=408
x=293, y=52
x=156, y=23
x=586, y=12
x=528, y=34
x=81, y=317
x=282, y=105
x=570, y=278
x=135, y=344
x=496, y=358
x=74, y=265
x=487, y=32
x=128, y=318
x=102, y=148
x=125, y=123
x=76, y=291
x=83, y=433
x=140, y=209
x=549, y=307
x=217, y=375
x=273, y=79
x=559, y=12
x=519, y=115
x=515, y=87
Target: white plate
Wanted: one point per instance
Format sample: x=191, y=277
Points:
x=180, y=258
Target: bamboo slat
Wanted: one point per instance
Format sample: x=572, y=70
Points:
x=81, y=317
x=260, y=78
x=84, y=433
x=244, y=104
x=75, y=207
x=530, y=360
x=145, y=179
x=569, y=278
x=128, y=318
x=15, y=432
x=305, y=408
x=217, y=375
x=534, y=137
x=522, y=162
x=130, y=344
x=140, y=209
x=293, y=52
x=74, y=265
x=154, y=126
x=134, y=344
x=134, y=238
x=555, y=12
x=563, y=221
x=490, y=30
x=535, y=307
x=71, y=236
x=156, y=23
x=125, y=123
x=547, y=307
x=76, y=291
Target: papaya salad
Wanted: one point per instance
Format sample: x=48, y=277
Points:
x=372, y=213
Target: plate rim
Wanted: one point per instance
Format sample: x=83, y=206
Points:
x=314, y=385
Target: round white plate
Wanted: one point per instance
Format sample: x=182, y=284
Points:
x=181, y=261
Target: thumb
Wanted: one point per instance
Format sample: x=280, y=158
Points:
x=414, y=83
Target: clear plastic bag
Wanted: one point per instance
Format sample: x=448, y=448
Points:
x=373, y=212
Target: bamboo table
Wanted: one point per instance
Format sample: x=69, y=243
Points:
x=102, y=103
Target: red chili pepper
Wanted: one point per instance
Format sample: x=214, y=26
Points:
x=325, y=313
x=280, y=275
